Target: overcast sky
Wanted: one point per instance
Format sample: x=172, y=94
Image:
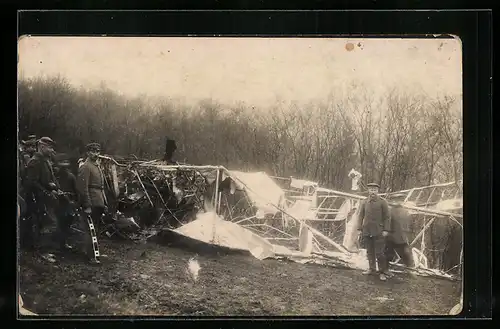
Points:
x=256, y=71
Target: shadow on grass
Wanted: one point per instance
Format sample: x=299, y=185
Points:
x=173, y=239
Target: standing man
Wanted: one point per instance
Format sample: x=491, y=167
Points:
x=67, y=201
x=41, y=189
x=81, y=161
x=374, y=227
x=90, y=184
x=26, y=151
x=397, y=241
x=170, y=147
x=29, y=148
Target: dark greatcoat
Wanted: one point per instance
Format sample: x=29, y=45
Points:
x=39, y=174
x=400, y=225
x=374, y=216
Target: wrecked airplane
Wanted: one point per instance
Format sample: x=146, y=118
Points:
x=252, y=212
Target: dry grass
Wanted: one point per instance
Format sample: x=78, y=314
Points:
x=228, y=284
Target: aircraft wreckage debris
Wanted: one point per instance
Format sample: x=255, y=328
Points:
x=237, y=210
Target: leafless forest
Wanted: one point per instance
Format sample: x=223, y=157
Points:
x=400, y=140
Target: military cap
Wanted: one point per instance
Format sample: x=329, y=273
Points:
x=93, y=147
x=30, y=141
x=373, y=185
x=47, y=141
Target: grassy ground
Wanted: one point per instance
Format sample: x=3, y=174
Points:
x=140, y=279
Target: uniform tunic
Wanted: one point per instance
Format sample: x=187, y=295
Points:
x=375, y=216
x=397, y=241
x=400, y=221
x=67, y=181
x=91, y=185
x=39, y=175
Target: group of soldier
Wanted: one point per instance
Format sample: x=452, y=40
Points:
x=383, y=232
x=49, y=189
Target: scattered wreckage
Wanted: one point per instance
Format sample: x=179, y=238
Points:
x=253, y=212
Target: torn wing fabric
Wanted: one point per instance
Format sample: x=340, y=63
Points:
x=344, y=210
x=210, y=228
x=301, y=209
x=114, y=177
x=264, y=193
x=351, y=231
x=355, y=176
x=305, y=240
x=300, y=183
x=450, y=205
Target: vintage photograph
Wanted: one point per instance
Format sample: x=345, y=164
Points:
x=225, y=176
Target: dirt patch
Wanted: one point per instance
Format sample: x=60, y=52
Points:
x=151, y=279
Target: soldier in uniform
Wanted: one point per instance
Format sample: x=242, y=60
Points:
x=41, y=188
x=81, y=161
x=27, y=150
x=22, y=158
x=397, y=241
x=374, y=226
x=67, y=201
x=90, y=184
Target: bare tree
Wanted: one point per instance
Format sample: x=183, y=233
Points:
x=399, y=139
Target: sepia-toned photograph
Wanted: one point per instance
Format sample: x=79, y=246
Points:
x=226, y=176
